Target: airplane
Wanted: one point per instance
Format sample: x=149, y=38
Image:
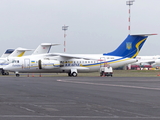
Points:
x=9, y=55
x=147, y=60
x=79, y=63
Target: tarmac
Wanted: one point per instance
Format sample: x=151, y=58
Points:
x=79, y=98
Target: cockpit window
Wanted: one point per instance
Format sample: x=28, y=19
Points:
x=15, y=61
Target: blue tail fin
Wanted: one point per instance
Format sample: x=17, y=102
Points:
x=130, y=47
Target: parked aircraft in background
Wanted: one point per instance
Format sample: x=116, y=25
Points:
x=74, y=63
x=151, y=60
x=7, y=53
x=43, y=48
x=19, y=52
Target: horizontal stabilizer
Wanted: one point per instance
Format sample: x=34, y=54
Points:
x=49, y=44
x=143, y=34
x=23, y=49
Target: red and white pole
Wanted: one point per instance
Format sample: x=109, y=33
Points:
x=64, y=28
x=129, y=21
x=130, y=2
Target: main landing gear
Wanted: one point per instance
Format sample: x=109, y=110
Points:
x=3, y=72
x=73, y=73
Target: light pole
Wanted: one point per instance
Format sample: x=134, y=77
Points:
x=129, y=3
x=65, y=28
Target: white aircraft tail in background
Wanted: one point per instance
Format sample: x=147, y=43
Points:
x=19, y=52
x=44, y=48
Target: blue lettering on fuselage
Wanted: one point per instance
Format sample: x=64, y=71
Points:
x=16, y=65
x=74, y=64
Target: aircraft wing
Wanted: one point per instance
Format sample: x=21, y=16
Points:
x=70, y=56
x=78, y=68
x=145, y=61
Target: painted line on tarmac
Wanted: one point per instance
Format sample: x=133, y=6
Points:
x=79, y=117
x=111, y=85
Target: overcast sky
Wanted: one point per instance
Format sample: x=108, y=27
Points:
x=95, y=26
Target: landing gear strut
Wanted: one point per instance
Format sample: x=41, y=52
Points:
x=69, y=74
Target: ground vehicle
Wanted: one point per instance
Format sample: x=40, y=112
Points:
x=106, y=71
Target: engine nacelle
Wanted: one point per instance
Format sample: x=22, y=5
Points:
x=48, y=64
x=157, y=61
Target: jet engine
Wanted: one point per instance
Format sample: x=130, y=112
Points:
x=48, y=64
x=157, y=62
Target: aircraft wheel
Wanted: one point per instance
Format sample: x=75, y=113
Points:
x=3, y=73
x=69, y=74
x=74, y=74
x=101, y=74
x=17, y=75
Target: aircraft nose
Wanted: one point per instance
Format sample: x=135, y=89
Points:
x=7, y=67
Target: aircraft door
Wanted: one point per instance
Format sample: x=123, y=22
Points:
x=26, y=63
x=102, y=60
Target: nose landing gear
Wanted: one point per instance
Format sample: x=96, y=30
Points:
x=17, y=74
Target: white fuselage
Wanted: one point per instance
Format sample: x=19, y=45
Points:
x=57, y=64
